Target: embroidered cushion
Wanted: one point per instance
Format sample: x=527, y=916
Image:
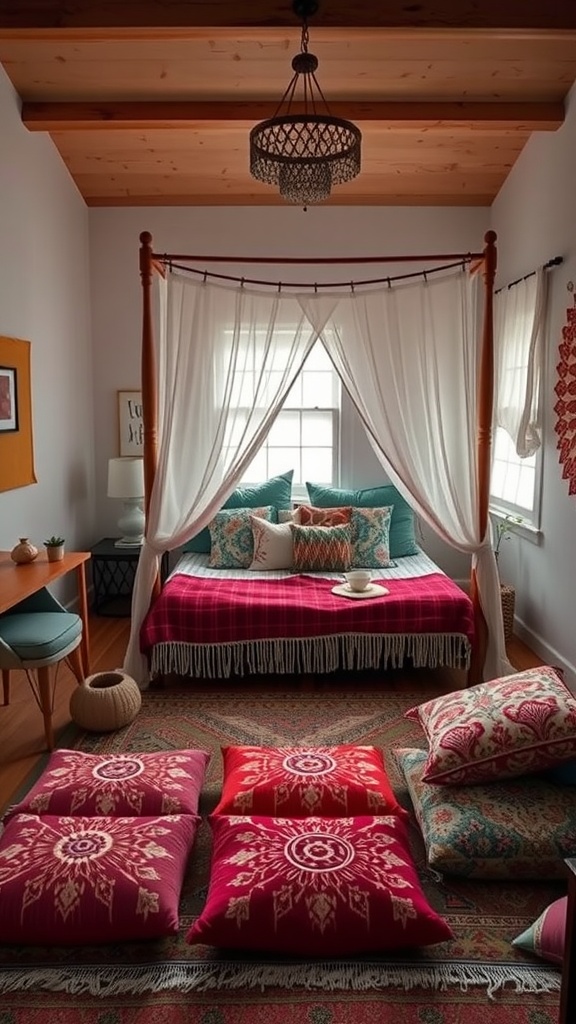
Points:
x=402, y=529
x=517, y=828
x=231, y=536
x=371, y=537
x=272, y=545
x=510, y=726
x=314, y=887
x=546, y=937
x=277, y=492
x=317, y=548
x=310, y=516
x=89, y=880
x=75, y=783
x=293, y=782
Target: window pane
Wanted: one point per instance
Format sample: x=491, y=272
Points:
x=316, y=465
x=317, y=428
x=280, y=460
x=514, y=480
x=318, y=390
x=285, y=429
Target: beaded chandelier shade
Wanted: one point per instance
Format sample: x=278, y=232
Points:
x=304, y=153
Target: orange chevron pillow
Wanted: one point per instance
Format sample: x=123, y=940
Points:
x=317, y=548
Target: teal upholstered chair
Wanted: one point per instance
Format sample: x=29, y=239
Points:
x=35, y=635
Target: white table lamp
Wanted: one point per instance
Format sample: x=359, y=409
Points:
x=126, y=481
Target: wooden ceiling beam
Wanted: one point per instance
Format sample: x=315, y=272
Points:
x=442, y=14
x=62, y=117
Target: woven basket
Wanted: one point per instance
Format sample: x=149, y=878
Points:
x=105, y=701
x=508, y=598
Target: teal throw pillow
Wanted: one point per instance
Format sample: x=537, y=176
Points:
x=402, y=531
x=277, y=492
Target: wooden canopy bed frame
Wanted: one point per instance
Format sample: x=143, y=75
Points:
x=152, y=263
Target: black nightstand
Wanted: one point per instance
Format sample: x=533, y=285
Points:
x=113, y=572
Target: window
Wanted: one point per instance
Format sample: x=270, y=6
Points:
x=515, y=482
x=305, y=435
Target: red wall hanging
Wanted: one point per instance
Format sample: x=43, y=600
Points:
x=565, y=389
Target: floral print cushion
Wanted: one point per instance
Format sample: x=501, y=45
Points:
x=232, y=542
x=310, y=516
x=520, y=828
x=505, y=728
x=76, y=881
x=315, y=886
x=370, y=537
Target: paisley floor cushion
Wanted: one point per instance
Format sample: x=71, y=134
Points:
x=518, y=828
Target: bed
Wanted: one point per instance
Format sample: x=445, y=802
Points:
x=215, y=623
x=379, y=334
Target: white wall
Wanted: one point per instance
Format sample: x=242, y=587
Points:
x=44, y=298
x=535, y=218
x=277, y=231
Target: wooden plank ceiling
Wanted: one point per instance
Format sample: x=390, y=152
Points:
x=152, y=103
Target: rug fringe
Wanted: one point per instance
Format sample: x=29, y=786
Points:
x=138, y=979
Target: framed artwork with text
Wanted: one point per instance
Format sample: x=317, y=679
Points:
x=130, y=423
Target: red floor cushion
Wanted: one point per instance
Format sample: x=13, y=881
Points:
x=77, y=881
x=315, y=887
x=294, y=782
x=163, y=782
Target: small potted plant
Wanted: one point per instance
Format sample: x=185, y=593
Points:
x=54, y=548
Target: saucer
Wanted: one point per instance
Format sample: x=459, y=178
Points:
x=372, y=590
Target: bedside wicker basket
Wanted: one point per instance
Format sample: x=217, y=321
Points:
x=508, y=598
x=105, y=701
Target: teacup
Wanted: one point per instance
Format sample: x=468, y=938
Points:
x=358, y=579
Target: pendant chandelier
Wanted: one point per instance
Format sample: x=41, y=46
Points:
x=304, y=153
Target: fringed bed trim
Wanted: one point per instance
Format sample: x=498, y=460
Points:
x=311, y=655
x=354, y=975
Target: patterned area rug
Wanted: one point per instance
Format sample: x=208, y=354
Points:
x=171, y=981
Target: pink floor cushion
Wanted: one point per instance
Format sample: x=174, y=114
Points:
x=294, y=782
x=517, y=828
x=315, y=887
x=163, y=782
x=546, y=936
x=508, y=727
x=77, y=881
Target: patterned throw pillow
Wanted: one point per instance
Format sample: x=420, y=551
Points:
x=517, y=828
x=402, y=525
x=78, y=881
x=317, y=548
x=272, y=545
x=510, y=726
x=75, y=783
x=295, y=782
x=310, y=516
x=370, y=537
x=231, y=536
x=547, y=936
x=315, y=887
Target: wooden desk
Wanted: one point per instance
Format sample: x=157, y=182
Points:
x=20, y=581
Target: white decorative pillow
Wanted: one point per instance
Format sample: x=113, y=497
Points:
x=289, y=515
x=502, y=729
x=272, y=544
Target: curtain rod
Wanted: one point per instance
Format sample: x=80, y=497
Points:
x=279, y=285
x=554, y=262
x=458, y=256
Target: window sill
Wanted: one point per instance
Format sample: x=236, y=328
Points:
x=526, y=530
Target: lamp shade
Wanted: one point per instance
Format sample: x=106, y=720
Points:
x=126, y=478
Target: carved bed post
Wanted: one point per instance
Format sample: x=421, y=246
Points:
x=148, y=374
x=484, y=443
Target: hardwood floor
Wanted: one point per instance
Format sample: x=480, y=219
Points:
x=21, y=725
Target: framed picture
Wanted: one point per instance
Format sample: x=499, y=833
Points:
x=130, y=423
x=8, y=399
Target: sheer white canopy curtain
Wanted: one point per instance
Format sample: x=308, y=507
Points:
x=407, y=353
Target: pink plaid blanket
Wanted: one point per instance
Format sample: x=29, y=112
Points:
x=195, y=610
